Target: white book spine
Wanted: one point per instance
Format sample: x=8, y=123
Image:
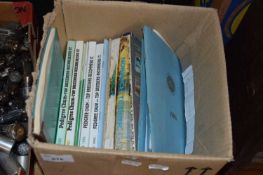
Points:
x=110, y=114
x=93, y=141
x=87, y=104
x=65, y=95
x=72, y=116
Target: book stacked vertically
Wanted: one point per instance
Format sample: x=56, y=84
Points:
x=124, y=93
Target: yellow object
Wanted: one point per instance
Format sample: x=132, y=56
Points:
x=238, y=18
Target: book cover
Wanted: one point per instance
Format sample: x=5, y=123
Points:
x=81, y=94
x=123, y=130
x=47, y=99
x=143, y=106
x=42, y=66
x=93, y=141
x=109, y=126
x=103, y=104
x=88, y=95
x=75, y=84
x=135, y=82
x=65, y=94
x=165, y=96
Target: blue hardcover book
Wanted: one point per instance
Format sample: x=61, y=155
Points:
x=166, y=126
x=103, y=101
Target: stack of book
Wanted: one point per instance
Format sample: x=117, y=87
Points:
x=125, y=93
x=100, y=97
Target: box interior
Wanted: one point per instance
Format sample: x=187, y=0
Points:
x=195, y=36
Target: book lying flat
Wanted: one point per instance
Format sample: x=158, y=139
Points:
x=165, y=96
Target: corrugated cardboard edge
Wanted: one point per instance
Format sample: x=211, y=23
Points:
x=229, y=122
x=54, y=147
x=181, y=51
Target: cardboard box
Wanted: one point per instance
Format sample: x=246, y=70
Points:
x=195, y=35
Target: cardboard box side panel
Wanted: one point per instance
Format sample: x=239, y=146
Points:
x=59, y=23
x=213, y=123
x=198, y=36
x=7, y=13
x=97, y=20
x=81, y=161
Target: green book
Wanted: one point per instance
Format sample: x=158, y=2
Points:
x=47, y=98
x=76, y=90
x=65, y=94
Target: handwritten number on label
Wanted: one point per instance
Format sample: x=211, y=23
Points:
x=191, y=169
x=205, y=170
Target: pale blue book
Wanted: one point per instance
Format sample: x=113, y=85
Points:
x=165, y=96
x=103, y=101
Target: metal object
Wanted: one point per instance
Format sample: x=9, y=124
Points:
x=8, y=165
x=23, y=149
x=12, y=116
x=14, y=131
x=4, y=73
x=4, y=98
x=2, y=63
x=6, y=144
x=17, y=103
x=6, y=32
x=14, y=78
x=27, y=86
x=24, y=162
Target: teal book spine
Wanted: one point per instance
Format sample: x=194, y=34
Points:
x=74, y=97
x=65, y=94
x=52, y=90
x=80, y=95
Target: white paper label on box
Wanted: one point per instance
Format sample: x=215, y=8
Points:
x=158, y=167
x=131, y=163
x=57, y=158
x=189, y=105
